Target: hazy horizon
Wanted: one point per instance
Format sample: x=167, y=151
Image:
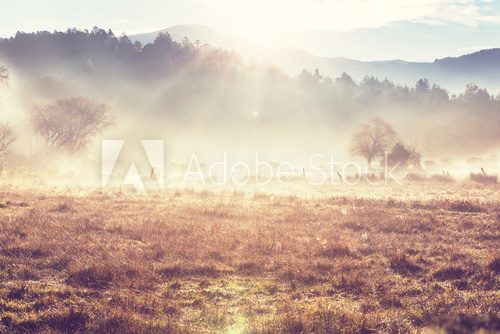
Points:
x=409, y=30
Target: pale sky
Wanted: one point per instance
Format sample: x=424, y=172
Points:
x=262, y=21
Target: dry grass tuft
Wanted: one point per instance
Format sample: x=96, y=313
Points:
x=336, y=251
x=70, y=322
x=495, y=266
x=416, y=177
x=186, y=270
x=483, y=178
x=440, y=178
x=404, y=266
x=467, y=323
x=466, y=206
x=63, y=207
x=95, y=277
x=449, y=273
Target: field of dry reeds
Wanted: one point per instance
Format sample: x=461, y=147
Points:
x=232, y=262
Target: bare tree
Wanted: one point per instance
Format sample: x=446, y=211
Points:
x=70, y=124
x=7, y=137
x=372, y=139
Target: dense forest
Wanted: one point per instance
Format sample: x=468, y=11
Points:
x=193, y=83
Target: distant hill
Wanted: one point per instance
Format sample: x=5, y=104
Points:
x=482, y=67
x=481, y=62
x=204, y=35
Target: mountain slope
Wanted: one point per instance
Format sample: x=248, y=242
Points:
x=482, y=67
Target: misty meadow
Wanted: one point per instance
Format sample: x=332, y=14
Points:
x=184, y=180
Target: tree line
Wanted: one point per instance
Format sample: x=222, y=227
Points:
x=99, y=52
x=194, y=71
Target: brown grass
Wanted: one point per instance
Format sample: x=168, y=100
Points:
x=483, y=178
x=189, y=262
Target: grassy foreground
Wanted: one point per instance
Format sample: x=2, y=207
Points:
x=200, y=262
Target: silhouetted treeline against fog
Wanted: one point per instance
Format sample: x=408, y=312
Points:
x=190, y=81
x=101, y=52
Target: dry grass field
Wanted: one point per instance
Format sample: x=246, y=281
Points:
x=192, y=261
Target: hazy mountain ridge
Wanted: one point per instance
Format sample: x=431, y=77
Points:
x=483, y=60
x=454, y=73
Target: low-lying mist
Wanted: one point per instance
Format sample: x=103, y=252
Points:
x=205, y=101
